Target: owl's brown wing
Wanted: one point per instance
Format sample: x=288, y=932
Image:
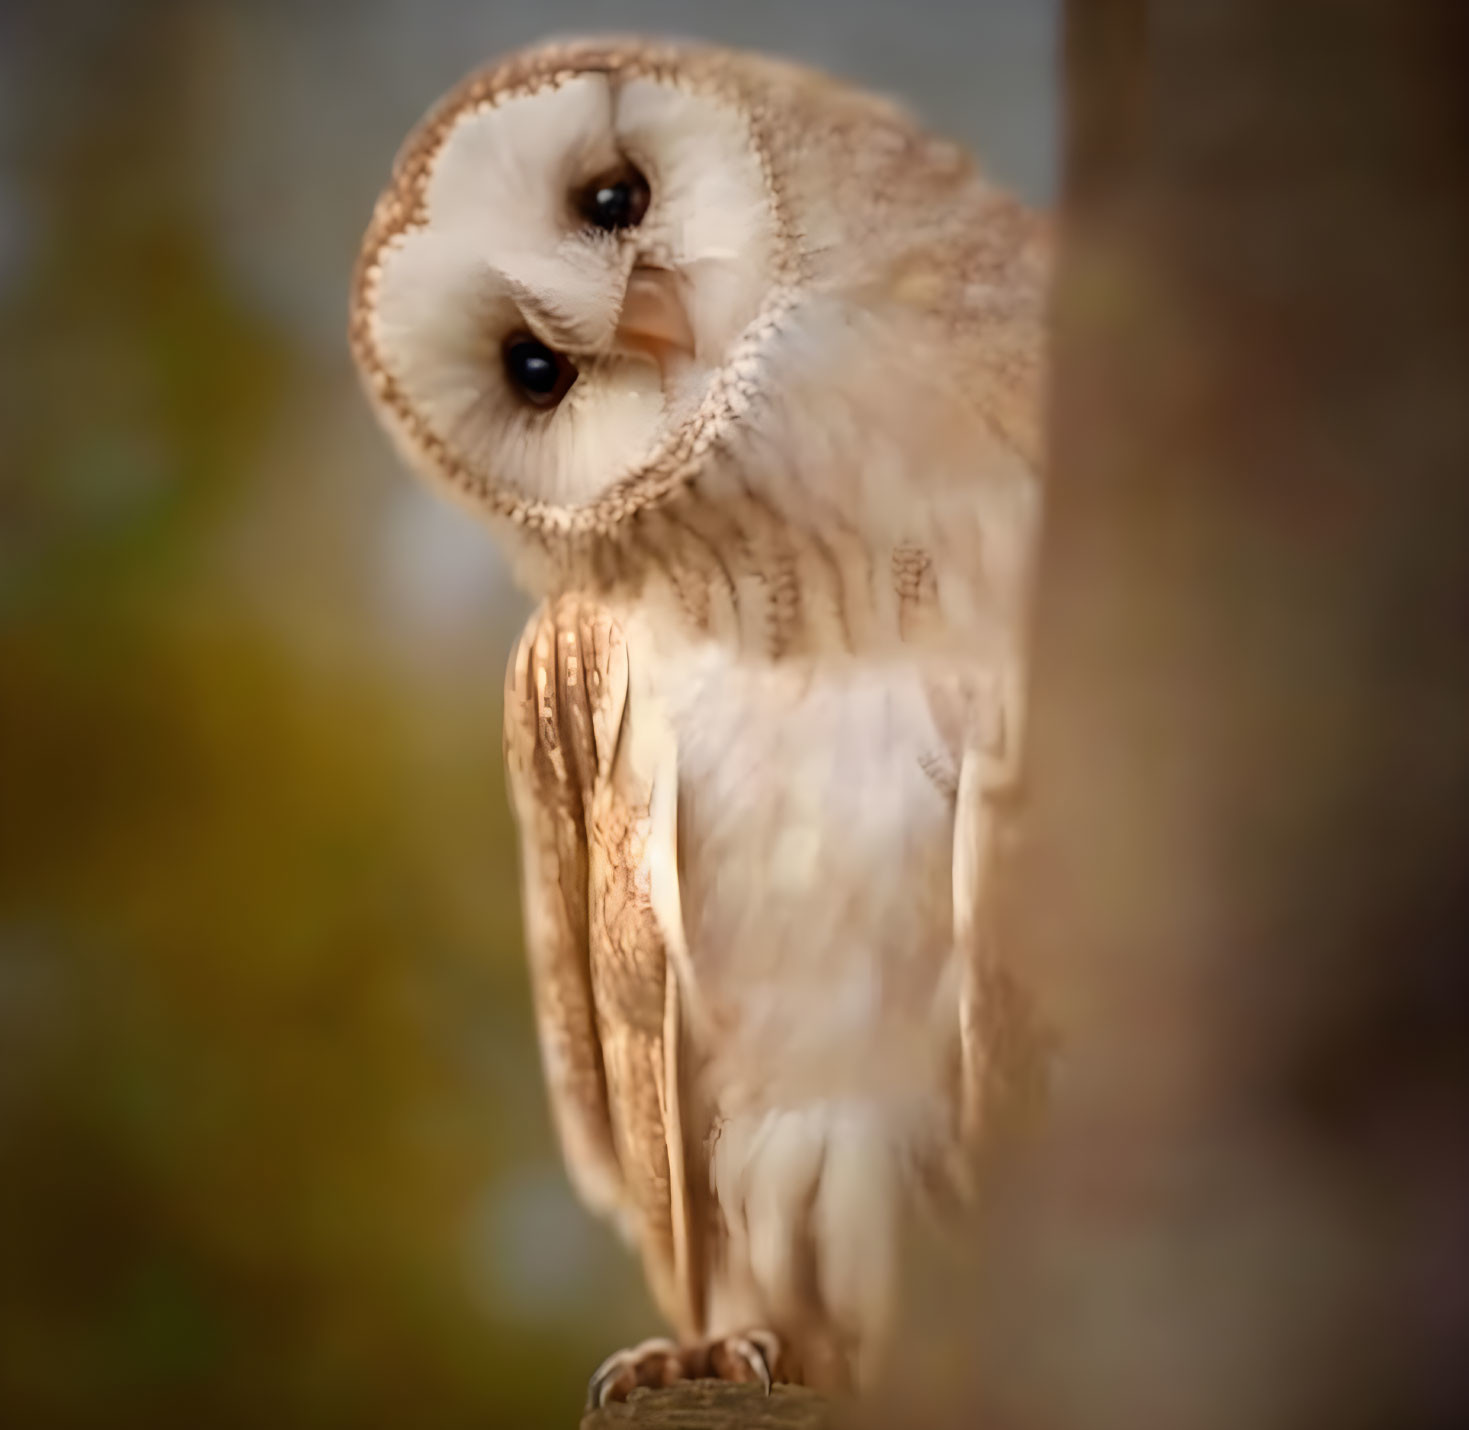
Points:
x=606, y=1000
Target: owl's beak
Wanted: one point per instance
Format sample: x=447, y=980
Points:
x=654, y=321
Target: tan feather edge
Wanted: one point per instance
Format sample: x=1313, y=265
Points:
x=971, y=859
x=989, y=771
x=678, y=992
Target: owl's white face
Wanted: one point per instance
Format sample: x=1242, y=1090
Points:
x=573, y=265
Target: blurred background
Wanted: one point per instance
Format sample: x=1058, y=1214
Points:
x=273, y=1145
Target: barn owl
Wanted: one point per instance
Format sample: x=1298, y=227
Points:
x=743, y=369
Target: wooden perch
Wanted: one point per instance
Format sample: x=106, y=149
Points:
x=716, y=1405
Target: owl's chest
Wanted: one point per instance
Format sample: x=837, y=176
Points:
x=815, y=839
x=808, y=772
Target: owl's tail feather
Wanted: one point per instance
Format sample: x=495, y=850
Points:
x=809, y=1201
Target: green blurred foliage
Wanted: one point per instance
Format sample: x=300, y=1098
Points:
x=267, y=1071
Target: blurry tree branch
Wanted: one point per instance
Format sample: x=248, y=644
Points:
x=1240, y=891
x=715, y=1405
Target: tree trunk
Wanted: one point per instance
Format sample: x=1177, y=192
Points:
x=1240, y=893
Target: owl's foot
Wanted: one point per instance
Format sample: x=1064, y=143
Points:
x=752, y=1357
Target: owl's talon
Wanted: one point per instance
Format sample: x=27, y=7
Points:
x=751, y=1357
x=743, y=1358
x=654, y=1362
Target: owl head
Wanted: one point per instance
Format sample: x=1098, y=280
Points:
x=572, y=245
x=607, y=272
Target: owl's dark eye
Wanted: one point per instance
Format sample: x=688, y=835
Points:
x=617, y=199
x=540, y=376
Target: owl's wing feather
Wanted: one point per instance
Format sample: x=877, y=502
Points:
x=550, y=739
x=973, y=830
x=607, y=1007
x=1003, y=1051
